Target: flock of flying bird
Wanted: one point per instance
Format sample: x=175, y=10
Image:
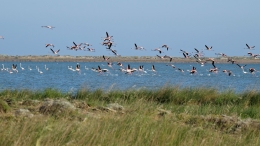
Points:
x=109, y=42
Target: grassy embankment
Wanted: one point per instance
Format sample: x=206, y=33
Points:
x=68, y=58
x=167, y=116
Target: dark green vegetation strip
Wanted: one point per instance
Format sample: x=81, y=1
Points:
x=165, y=95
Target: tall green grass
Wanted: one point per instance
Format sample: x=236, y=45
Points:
x=165, y=116
x=165, y=95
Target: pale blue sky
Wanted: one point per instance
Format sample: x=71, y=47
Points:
x=225, y=25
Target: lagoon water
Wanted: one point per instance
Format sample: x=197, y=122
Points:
x=58, y=76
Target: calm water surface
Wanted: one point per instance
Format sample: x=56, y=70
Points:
x=58, y=76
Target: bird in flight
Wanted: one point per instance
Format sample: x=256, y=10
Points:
x=129, y=70
x=165, y=46
x=14, y=67
x=215, y=69
x=90, y=49
x=198, y=53
x=181, y=70
x=77, y=67
x=153, y=68
x=242, y=67
x=221, y=54
x=76, y=47
x=108, y=38
x=106, y=59
x=253, y=55
x=115, y=53
x=107, y=43
x=120, y=64
x=231, y=60
x=252, y=70
x=1, y=37
x=228, y=72
x=249, y=47
x=193, y=71
x=185, y=56
x=47, y=45
x=157, y=49
x=101, y=70
x=55, y=52
x=48, y=26
x=185, y=53
x=139, y=48
x=208, y=48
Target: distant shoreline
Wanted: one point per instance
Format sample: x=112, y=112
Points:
x=47, y=58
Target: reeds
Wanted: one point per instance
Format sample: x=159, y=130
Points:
x=165, y=116
x=167, y=95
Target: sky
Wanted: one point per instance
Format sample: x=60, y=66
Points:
x=181, y=24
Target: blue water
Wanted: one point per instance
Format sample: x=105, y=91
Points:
x=58, y=76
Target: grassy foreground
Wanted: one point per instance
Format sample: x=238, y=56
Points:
x=167, y=116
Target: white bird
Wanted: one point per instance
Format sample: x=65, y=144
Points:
x=208, y=48
x=198, y=53
x=157, y=49
x=40, y=71
x=253, y=55
x=162, y=57
x=55, y=52
x=46, y=67
x=77, y=67
x=120, y=64
x=102, y=70
x=153, y=68
x=129, y=70
x=165, y=46
x=139, y=48
x=249, y=47
x=14, y=67
x=242, y=67
x=193, y=71
x=86, y=44
x=252, y=70
x=82, y=48
x=107, y=38
x=141, y=68
x=181, y=70
x=48, y=26
x=113, y=51
x=47, y=45
x=10, y=71
x=228, y=72
x=1, y=37
x=171, y=65
x=21, y=66
x=3, y=67
x=221, y=54
x=91, y=49
x=70, y=68
x=200, y=62
x=105, y=58
x=109, y=64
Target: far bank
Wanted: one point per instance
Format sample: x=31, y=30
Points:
x=48, y=58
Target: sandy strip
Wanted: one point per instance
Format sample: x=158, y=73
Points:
x=240, y=60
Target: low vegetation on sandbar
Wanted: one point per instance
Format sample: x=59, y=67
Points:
x=68, y=58
x=165, y=116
